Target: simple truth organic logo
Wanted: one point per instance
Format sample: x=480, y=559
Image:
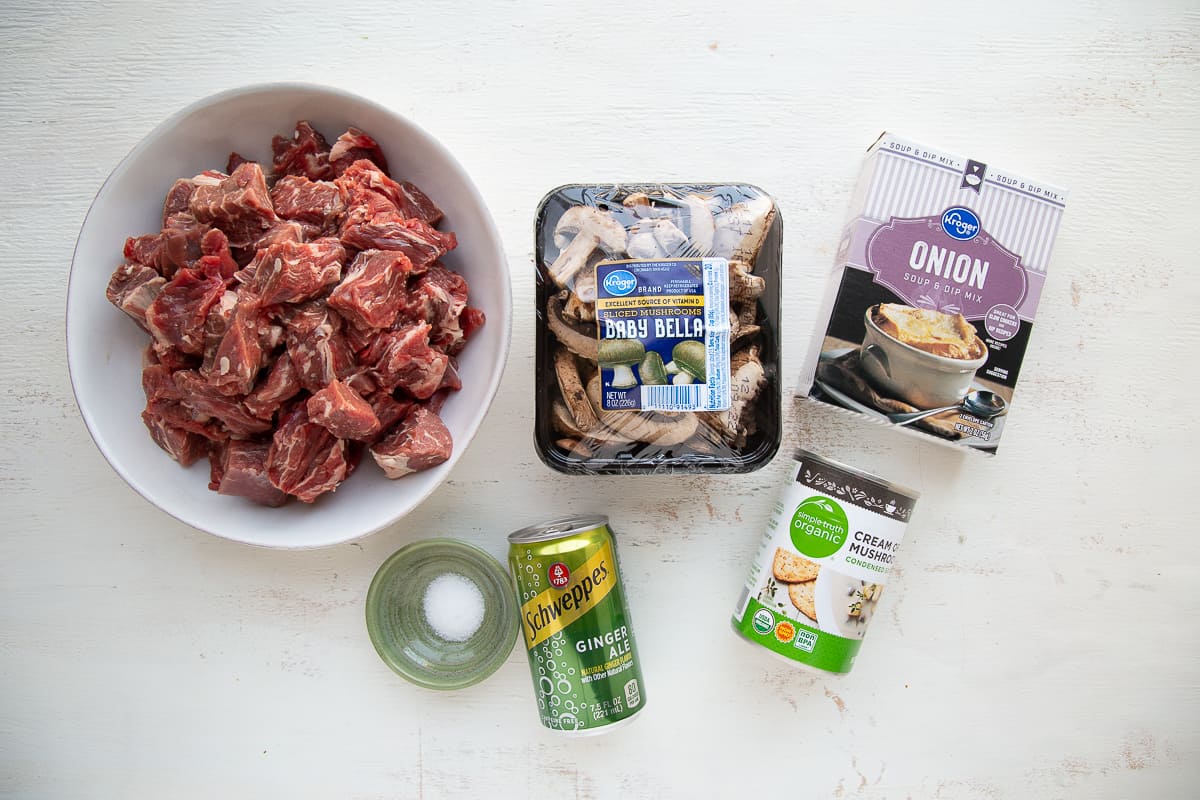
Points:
x=819, y=527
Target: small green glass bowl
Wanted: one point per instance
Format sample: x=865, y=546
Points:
x=404, y=639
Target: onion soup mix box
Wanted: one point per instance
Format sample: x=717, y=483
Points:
x=934, y=294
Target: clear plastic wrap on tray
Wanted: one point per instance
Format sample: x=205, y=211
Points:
x=657, y=328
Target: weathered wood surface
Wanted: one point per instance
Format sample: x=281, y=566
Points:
x=1040, y=638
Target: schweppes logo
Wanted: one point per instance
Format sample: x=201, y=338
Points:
x=556, y=608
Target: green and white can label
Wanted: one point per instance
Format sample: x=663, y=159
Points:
x=816, y=582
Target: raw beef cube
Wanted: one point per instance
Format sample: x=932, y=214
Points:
x=215, y=326
x=158, y=384
x=282, y=383
x=359, y=339
x=240, y=469
x=418, y=205
x=234, y=161
x=176, y=317
x=216, y=470
x=301, y=319
x=361, y=381
x=182, y=445
x=240, y=205
x=178, y=198
x=206, y=403
x=317, y=346
x=172, y=357
x=343, y=412
x=216, y=258
x=471, y=320
x=371, y=293
x=240, y=354
x=321, y=358
x=176, y=246
x=352, y=146
x=387, y=230
x=450, y=379
x=439, y=298
x=315, y=202
x=292, y=273
x=403, y=359
x=363, y=183
x=284, y=231
x=133, y=288
x=419, y=442
x=388, y=409
x=306, y=153
x=305, y=460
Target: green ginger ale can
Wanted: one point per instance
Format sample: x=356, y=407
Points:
x=575, y=624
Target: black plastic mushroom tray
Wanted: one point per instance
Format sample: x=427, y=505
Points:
x=583, y=229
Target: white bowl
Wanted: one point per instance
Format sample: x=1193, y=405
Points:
x=104, y=346
x=924, y=379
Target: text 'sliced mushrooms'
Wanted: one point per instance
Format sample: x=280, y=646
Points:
x=585, y=228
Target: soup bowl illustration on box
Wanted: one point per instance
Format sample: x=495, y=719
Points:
x=928, y=358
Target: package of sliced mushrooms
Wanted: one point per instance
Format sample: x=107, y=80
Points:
x=658, y=328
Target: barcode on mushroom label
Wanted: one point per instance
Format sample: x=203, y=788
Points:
x=671, y=398
x=663, y=334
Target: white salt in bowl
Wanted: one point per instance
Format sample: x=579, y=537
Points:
x=104, y=346
x=442, y=614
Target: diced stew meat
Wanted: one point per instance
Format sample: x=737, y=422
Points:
x=297, y=317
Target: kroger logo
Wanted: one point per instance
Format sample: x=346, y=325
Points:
x=619, y=282
x=960, y=223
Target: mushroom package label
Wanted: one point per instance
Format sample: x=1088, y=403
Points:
x=663, y=334
x=657, y=328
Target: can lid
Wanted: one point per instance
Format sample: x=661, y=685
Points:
x=558, y=528
x=911, y=494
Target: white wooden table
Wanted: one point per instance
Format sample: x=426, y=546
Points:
x=1040, y=637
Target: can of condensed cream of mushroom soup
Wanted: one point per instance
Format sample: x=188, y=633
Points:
x=576, y=625
x=830, y=543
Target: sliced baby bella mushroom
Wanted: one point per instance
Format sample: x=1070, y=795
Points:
x=691, y=359
x=747, y=380
x=652, y=370
x=744, y=335
x=563, y=421
x=574, y=447
x=619, y=355
x=602, y=432
x=585, y=282
x=700, y=223
x=577, y=310
x=741, y=228
x=642, y=243
x=572, y=390
x=580, y=342
x=747, y=312
x=583, y=229
x=670, y=239
x=744, y=286
x=643, y=207
x=651, y=428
